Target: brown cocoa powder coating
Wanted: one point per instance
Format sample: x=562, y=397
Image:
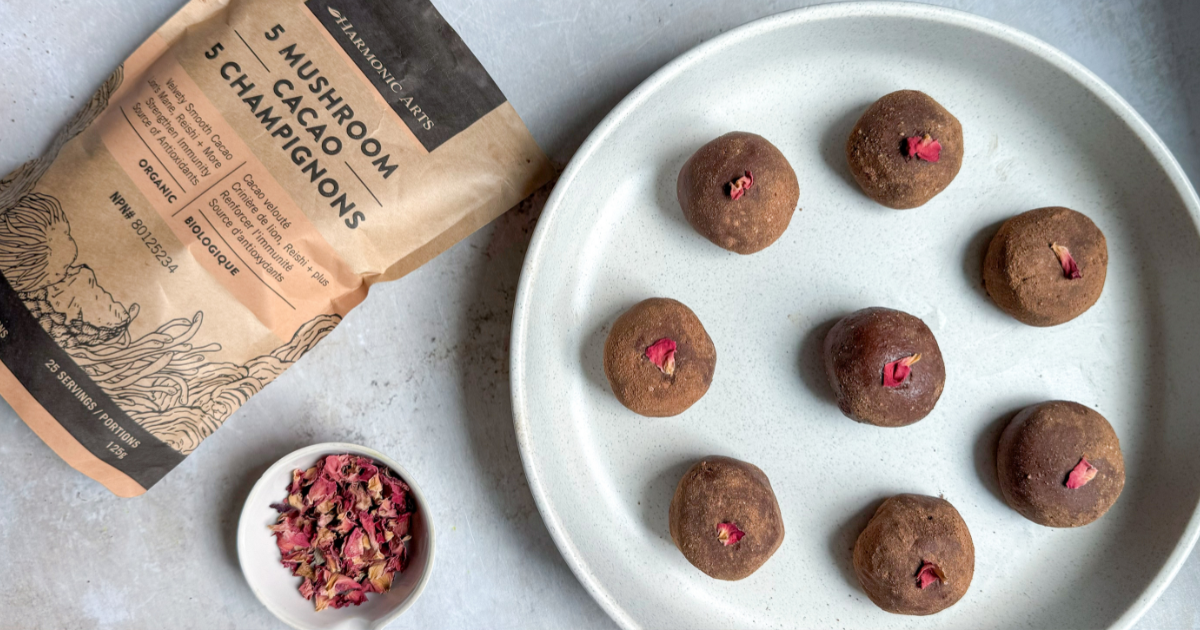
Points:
x=1037, y=452
x=906, y=531
x=1024, y=277
x=878, y=153
x=859, y=346
x=636, y=380
x=757, y=219
x=723, y=490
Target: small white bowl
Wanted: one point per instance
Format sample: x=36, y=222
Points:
x=274, y=585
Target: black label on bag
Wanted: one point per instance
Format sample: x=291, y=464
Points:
x=416, y=62
x=53, y=378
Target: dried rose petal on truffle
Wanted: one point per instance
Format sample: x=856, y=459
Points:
x=924, y=148
x=1081, y=474
x=928, y=574
x=343, y=530
x=896, y=372
x=729, y=534
x=740, y=186
x=662, y=354
x=1069, y=267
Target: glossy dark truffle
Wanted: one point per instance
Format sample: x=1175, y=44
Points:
x=757, y=218
x=907, y=532
x=637, y=381
x=716, y=493
x=878, y=152
x=1024, y=275
x=858, y=349
x=1037, y=452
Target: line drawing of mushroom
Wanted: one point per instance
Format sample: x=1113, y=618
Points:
x=162, y=380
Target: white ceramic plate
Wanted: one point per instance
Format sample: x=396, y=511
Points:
x=275, y=586
x=1039, y=130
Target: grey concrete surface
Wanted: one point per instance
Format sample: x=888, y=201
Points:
x=420, y=369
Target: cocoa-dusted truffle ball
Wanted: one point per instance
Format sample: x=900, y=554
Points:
x=1060, y=464
x=725, y=519
x=916, y=556
x=905, y=149
x=739, y=192
x=1046, y=266
x=885, y=367
x=658, y=358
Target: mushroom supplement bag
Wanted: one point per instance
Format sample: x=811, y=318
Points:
x=228, y=195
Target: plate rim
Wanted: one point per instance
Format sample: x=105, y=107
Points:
x=647, y=88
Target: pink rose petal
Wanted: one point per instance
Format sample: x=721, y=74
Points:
x=740, y=186
x=1081, y=474
x=924, y=148
x=334, y=465
x=928, y=574
x=1069, y=266
x=343, y=530
x=896, y=372
x=662, y=354
x=729, y=534
x=321, y=489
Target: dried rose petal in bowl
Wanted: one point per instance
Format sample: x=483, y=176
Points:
x=270, y=504
x=344, y=529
